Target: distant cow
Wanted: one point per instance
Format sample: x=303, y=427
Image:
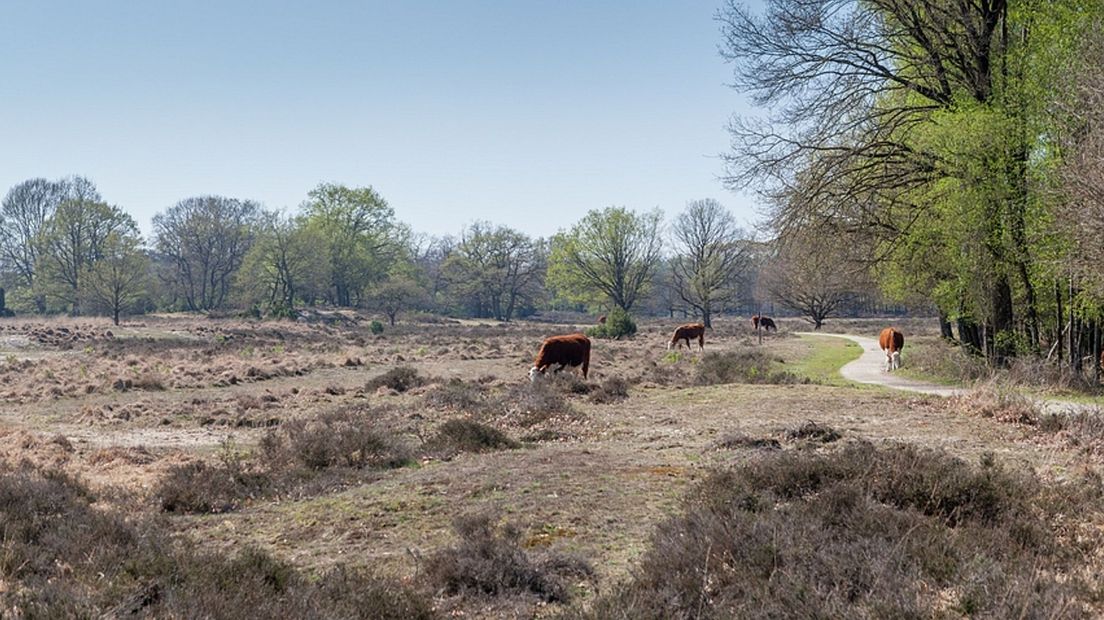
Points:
x=563, y=351
x=688, y=332
x=765, y=322
x=892, y=341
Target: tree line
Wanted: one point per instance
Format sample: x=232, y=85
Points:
x=949, y=150
x=64, y=249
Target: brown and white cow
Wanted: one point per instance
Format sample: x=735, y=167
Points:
x=892, y=341
x=563, y=351
x=688, y=332
x=765, y=322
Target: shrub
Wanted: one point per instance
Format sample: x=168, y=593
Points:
x=813, y=431
x=399, y=379
x=1000, y=402
x=863, y=532
x=612, y=390
x=460, y=435
x=375, y=327
x=489, y=560
x=199, y=487
x=748, y=365
x=732, y=441
x=458, y=395
x=345, y=437
x=618, y=325
x=535, y=402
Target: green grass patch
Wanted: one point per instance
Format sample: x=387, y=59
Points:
x=824, y=360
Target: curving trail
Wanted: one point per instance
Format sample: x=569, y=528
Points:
x=869, y=369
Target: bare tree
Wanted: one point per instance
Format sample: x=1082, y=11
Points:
x=710, y=255
x=206, y=238
x=811, y=274
x=497, y=268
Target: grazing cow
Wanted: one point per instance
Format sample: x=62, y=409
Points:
x=602, y=320
x=688, y=332
x=892, y=341
x=765, y=322
x=569, y=350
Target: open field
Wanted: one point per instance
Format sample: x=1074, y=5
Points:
x=301, y=439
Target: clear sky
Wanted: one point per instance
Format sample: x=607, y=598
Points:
x=525, y=113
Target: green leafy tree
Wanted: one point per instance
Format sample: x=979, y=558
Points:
x=74, y=240
x=359, y=231
x=119, y=278
x=284, y=265
x=610, y=256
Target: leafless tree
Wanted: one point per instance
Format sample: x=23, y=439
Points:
x=710, y=255
x=812, y=274
x=206, y=238
x=496, y=267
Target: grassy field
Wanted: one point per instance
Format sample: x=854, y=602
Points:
x=422, y=467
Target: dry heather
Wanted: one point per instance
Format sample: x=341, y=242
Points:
x=340, y=464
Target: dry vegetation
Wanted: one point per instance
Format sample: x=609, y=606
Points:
x=418, y=473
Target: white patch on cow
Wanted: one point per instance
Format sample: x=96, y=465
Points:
x=895, y=361
x=533, y=372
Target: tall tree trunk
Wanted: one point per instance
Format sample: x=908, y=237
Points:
x=945, y=327
x=1002, y=328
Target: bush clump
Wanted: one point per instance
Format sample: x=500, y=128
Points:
x=458, y=395
x=618, y=325
x=489, y=560
x=458, y=435
x=346, y=437
x=612, y=390
x=399, y=379
x=200, y=487
x=747, y=365
x=813, y=431
x=867, y=532
x=375, y=327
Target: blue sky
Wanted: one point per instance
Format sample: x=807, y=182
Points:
x=522, y=113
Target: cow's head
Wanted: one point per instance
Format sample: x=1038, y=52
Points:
x=534, y=372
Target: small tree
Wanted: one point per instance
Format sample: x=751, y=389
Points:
x=396, y=294
x=119, y=278
x=611, y=256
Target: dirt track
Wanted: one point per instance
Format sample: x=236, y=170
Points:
x=870, y=369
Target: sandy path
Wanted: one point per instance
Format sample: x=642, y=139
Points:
x=870, y=368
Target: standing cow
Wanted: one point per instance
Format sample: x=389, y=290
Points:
x=563, y=351
x=892, y=341
x=688, y=332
